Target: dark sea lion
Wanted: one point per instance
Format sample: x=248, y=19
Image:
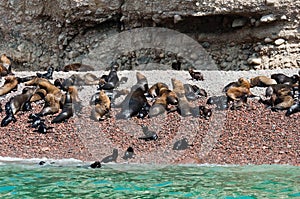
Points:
x=262, y=81
x=176, y=65
x=284, y=79
x=129, y=153
x=25, y=79
x=112, y=80
x=35, y=120
x=42, y=128
x=96, y=164
x=9, y=115
x=133, y=103
x=102, y=107
x=67, y=111
x=196, y=75
x=47, y=75
x=199, y=91
x=181, y=144
x=184, y=107
x=149, y=135
x=221, y=102
x=111, y=158
x=10, y=84
x=142, y=81
x=295, y=108
x=77, y=67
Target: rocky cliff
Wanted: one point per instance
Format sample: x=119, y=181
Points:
x=232, y=35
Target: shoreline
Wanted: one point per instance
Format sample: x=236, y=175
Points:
x=236, y=138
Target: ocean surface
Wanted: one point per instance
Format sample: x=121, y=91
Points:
x=74, y=179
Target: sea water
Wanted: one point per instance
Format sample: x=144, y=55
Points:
x=78, y=180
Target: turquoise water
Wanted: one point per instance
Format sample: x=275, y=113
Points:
x=149, y=181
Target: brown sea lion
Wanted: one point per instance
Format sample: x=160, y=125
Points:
x=5, y=65
x=262, y=81
x=282, y=100
x=196, y=75
x=5, y=60
x=184, y=107
x=102, y=107
x=77, y=67
x=10, y=84
x=18, y=102
x=154, y=90
x=52, y=105
x=273, y=89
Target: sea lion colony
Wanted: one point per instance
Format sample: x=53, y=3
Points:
x=60, y=96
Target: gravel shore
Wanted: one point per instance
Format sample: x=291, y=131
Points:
x=252, y=135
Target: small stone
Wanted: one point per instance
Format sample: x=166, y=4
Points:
x=268, y=18
x=270, y=2
x=254, y=61
x=278, y=42
x=283, y=17
x=194, y=56
x=177, y=18
x=268, y=40
x=238, y=22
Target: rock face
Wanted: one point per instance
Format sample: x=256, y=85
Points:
x=42, y=33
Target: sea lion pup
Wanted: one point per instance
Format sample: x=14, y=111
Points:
x=20, y=102
x=96, y=164
x=262, y=81
x=196, y=75
x=47, y=75
x=192, y=92
x=149, y=135
x=111, y=158
x=101, y=108
x=77, y=67
x=10, y=84
x=129, y=153
x=183, y=108
x=67, y=111
x=284, y=79
x=112, y=80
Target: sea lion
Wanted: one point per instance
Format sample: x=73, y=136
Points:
x=274, y=89
x=52, y=105
x=284, y=79
x=18, y=102
x=48, y=86
x=102, y=107
x=42, y=128
x=133, y=103
x=47, y=75
x=149, y=135
x=96, y=164
x=111, y=158
x=181, y=144
x=221, y=102
x=184, y=107
x=176, y=65
x=112, y=80
x=5, y=65
x=196, y=75
x=67, y=111
x=240, y=93
x=142, y=81
x=154, y=90
x=192, y=92
x=129, y=153
x=282, y=100
x=35, y=120
x=77, y=67
x=10, y=84
x=5, y=60
x=199, y=91
x=262, y=81
x=9, y=115
x=293, y=109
